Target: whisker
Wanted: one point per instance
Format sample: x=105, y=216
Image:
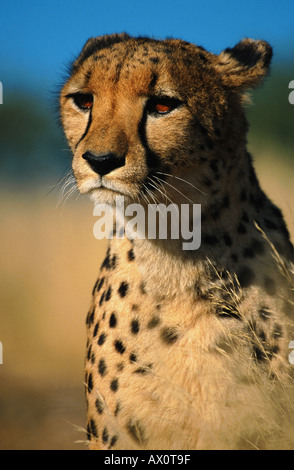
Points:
x=68, y=189
x=61, y=179
x=176, y=189
x=183, y=180
x=151, y=195
x=155, y=186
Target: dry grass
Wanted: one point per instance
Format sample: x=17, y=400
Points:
x=49, y=262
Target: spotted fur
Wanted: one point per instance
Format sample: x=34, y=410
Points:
x=186, y=349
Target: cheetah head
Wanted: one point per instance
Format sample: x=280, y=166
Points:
x=139, y=112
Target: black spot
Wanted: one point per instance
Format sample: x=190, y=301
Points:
x=155, y=60
x=112, y=321
x=153, y=322
x=101, y=282
x=97, y=44
x=207, y=182
x=214, y=165
x=262, y=336
x=92, y=430
x=200, y=294
x=89, y=352
x=204, y=59
x=136, y=431
x=90, y=383
x=101, y=339
x=228, y=311
x=135, y=307
x=95, y=286
x=88, y=75
x=169, y=335
x=99, y=405
x=105, y=435
x=114, y=385
x=133, y=357
x=228, y=239
x=226, y=202
x=117, y=409
x=245, y=217
x=108, y=294
x=113, y=441
x=113, y=262
x=285, y=231
x=119, y=346
x=89, y=435
x=264, y=313
x=277, y=331
x=258, y=247
x=143, y=370
x=102, y=369
x=209, y=239
x=270, y=224
x=98, y=57
x=135, y=327
x=235, y=257
x=93, y=427
x=101, y=299
x=96, y=329
x=243, y=195
x=90, y=317
x=106, y=262
x=269, y=285
x=120, y=366
x=123, y=289
x=259, y=354
x=248, y=252
x=153, y=80
x=131, y=255
x=246, y=277
x=241, y=229
x=142, y=288
x=273, y=351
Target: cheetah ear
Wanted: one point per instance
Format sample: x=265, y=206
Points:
x=245, y=65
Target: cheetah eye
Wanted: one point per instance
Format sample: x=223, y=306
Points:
x=162, y=105
x=83, y=101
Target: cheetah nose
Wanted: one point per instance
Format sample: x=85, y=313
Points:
x=104, y=163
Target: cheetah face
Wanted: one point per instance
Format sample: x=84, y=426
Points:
x=138, y=112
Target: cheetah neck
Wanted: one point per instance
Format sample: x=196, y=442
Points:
x=235, y=223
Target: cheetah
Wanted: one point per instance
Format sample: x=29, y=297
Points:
x=186, y=349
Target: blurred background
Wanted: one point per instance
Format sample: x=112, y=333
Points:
x=49, y=259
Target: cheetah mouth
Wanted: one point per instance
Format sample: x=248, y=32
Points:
x=102, y=192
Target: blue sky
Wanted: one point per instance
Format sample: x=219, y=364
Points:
x=39, y=38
